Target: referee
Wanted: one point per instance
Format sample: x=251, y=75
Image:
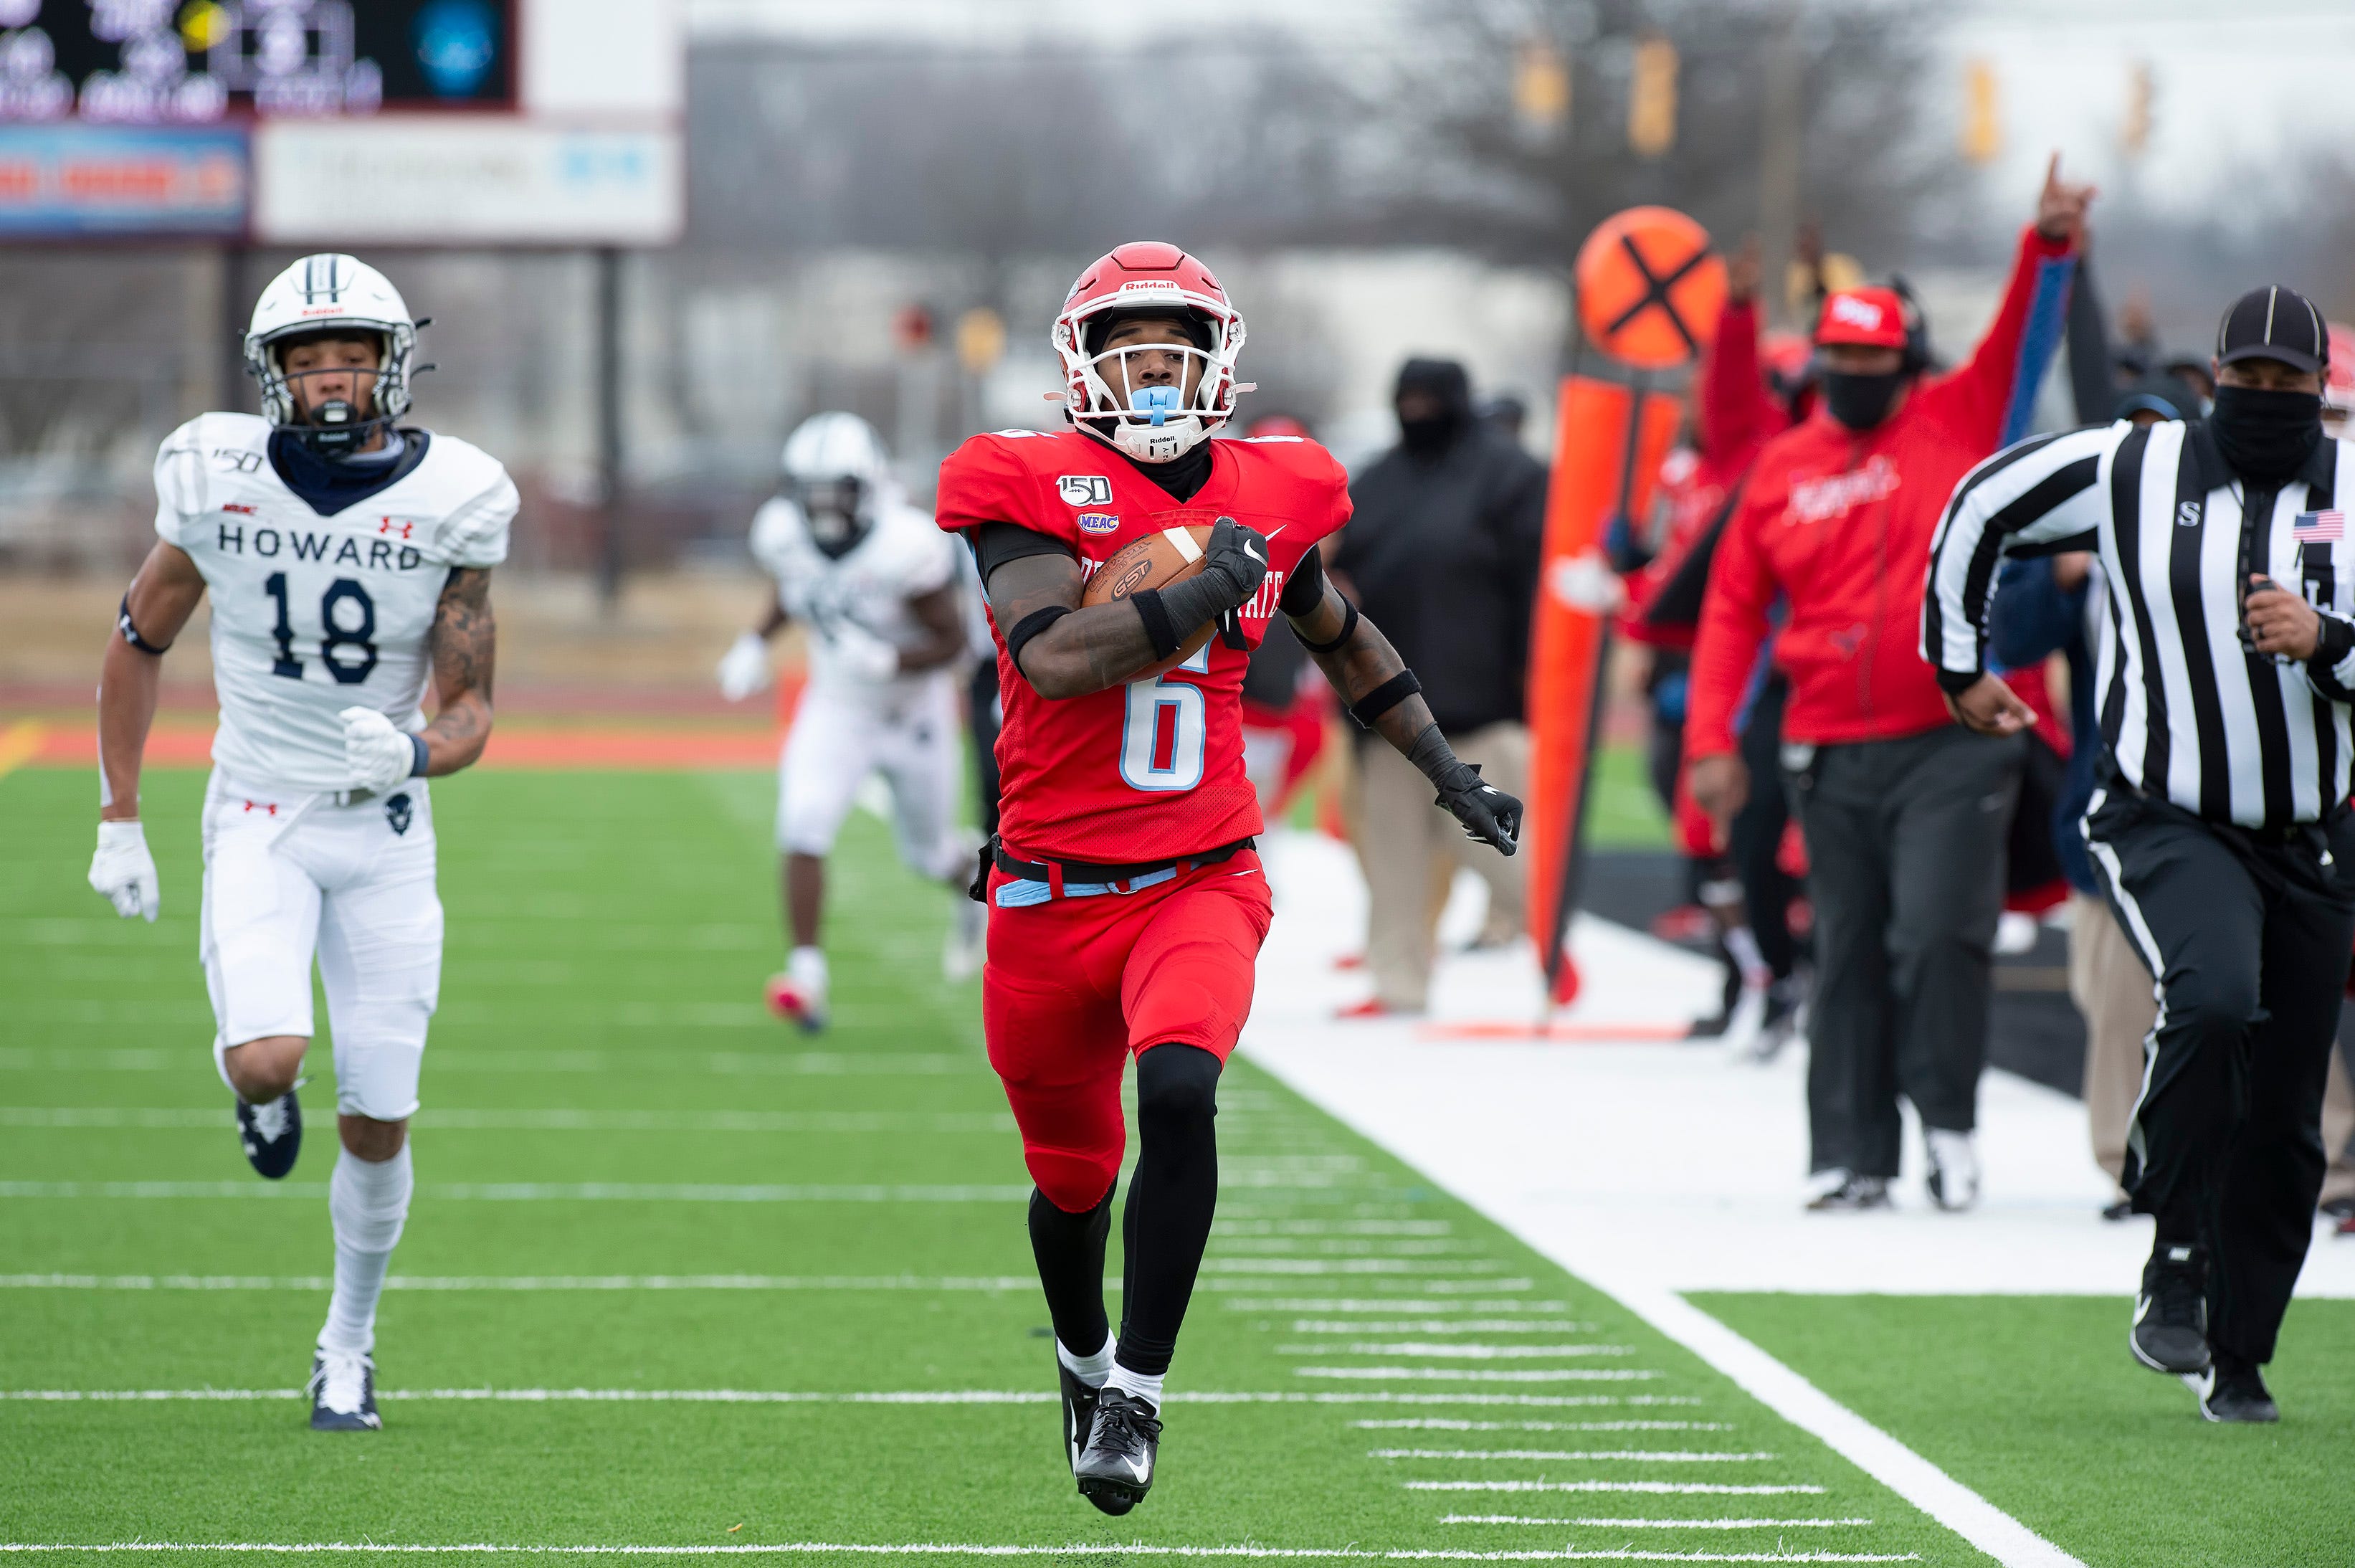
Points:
x=2227, y=668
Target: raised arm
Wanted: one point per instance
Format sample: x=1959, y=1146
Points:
x=1383, y=696
x=463, y=642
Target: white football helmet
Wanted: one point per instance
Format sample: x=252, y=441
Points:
x=320, y=292
x=836, y=471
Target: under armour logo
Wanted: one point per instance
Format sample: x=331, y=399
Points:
x=268, y=806
x=387, y=525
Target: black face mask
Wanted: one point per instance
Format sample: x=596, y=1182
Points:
x=2266, y=436
x=1858, y=402
x=1427, y=437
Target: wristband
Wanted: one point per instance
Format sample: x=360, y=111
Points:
x=1384, y=697
x=417, y=768
x=1159, y=631
x=1029, y=627
x=131, y=633
x=1348, y=627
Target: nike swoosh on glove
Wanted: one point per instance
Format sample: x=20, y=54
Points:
x=1239, y=555
x=378, y=755
x=124, y=872
x=1488, y=813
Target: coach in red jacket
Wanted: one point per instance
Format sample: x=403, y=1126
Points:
x=1905, y=812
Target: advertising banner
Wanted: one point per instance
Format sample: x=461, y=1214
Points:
x=93, y=181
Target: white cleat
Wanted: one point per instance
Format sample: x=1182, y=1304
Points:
x=1954, y=1169
x=343, y=1391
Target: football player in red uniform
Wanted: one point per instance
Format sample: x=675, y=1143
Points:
x=1126, y=904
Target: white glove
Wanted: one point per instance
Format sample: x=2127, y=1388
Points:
x=862, y=655
x=378, y=755
x=745, y=669
x=123, y=872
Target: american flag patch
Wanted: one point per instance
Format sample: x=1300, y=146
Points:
x=2320, y=526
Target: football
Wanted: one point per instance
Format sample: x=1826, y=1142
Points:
x=1156, y=560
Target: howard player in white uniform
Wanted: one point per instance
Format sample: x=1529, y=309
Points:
x=348, y=562
x=865, y=573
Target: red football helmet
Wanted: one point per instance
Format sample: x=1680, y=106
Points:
x=1147, y=277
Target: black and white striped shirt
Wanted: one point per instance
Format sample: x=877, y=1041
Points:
x=2188, y=713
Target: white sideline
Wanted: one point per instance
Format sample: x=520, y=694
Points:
x=1497, y=1125
x=942, y=1548
x=1660, y=1523
x=317, y=1282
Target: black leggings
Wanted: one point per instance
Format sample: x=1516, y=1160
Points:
x=1171, y=1200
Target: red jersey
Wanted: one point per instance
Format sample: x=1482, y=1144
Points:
x=1153, y=770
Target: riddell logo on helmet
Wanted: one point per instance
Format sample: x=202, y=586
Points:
x=1861, y=314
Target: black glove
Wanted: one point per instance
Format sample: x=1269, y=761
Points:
x=1490, y=815
x=1234, y=562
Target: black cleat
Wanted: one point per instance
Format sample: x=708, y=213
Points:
x=1115, y=1469
x=271, y=1134
x=342, y=1392
x=1079, y=1413
x=2170, y=1320
x=2232, y=1391
x=1778, y=1023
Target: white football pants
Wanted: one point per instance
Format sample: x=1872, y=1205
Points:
x=909, y=733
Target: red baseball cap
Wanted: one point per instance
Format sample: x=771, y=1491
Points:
x=1870, y=317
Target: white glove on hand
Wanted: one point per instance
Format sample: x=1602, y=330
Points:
x=378, y=755
x=862, y=655
x=123, y=872
x=745, y=669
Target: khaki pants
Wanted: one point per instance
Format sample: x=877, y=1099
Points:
x=1410, y=849
x=2112, y=989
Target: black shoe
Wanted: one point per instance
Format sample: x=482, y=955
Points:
x=2339, y=1209
x=1115, y=1469
x=2232, y=1391
x=1079, y=1413
x=343, y=1393
x=1854, y=1194
x=2170, y=1320
x=2121, y=1210
x=273, y=1157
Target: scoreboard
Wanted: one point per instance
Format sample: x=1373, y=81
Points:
x=197, y=62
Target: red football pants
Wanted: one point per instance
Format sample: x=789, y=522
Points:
x=1074, y=987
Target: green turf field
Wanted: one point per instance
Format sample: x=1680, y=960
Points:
x=645, y=1214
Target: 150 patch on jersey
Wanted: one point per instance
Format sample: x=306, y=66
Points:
x=1084, y=489
x=1099, y=523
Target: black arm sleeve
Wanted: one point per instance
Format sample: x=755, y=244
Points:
x=995, y=544
x=1304, y=589
x=2089, y=383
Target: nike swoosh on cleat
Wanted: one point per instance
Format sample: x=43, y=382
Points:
x=1140, y=1471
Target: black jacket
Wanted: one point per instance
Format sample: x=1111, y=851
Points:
x=1443, y=550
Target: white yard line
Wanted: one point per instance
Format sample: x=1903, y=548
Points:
x=943, y=1549
x=787, y=1396
x=1441, y=1325
x=1457, y=1374
x=1425, y=1425
x=1638, y=1169
x=1661, y=1523
x=1669, y=1489
x=1328, y=1304
x=1473, y=1352
x=785, y=1063
x=1630, y=1456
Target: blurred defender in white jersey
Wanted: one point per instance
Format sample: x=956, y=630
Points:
x=348, y=560
x=865, y=573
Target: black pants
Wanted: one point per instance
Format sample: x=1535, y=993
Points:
x=1757, y=839
x=2248, y=936
x=1905, y=869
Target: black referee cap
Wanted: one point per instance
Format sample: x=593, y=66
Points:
x=2274, y=323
